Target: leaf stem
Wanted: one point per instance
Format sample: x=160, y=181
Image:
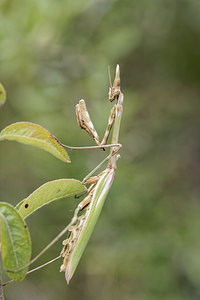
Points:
x=91, y=147
x=74, y=219
x=33, y=270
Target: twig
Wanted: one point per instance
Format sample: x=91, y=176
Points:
x=33, y=270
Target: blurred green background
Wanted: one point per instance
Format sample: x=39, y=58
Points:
x=146, y=245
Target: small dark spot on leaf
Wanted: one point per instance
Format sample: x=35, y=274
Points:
x=58, y=190
x=26, y=205
x=25, y=226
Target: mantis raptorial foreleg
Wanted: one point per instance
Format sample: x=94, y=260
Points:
x=84, y=121
x=83, y=117
x=109, y=126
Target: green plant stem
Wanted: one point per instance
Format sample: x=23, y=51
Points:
x=101, y=163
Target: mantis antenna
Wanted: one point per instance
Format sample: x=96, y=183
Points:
x=109, y=76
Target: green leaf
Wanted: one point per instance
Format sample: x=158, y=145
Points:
x=48, y=192
x=35, y=135
x=15, y=241
x=2, y=95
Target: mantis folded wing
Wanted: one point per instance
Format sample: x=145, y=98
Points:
x=82, y=230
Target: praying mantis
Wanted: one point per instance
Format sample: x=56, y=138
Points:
x=88, y=210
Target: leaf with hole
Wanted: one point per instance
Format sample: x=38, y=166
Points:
x=15, y=241
x=34, y=135
x=48, y=192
